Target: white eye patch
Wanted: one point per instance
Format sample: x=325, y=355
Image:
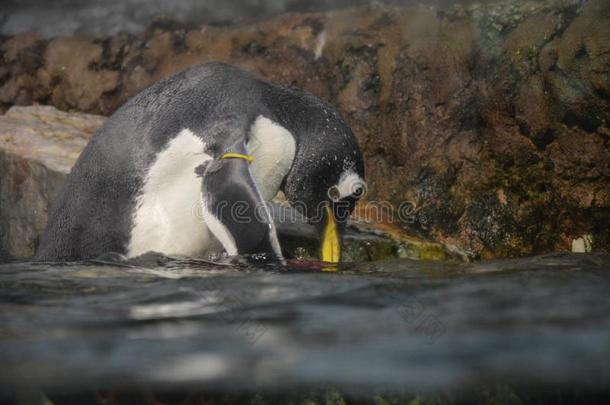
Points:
x=350, y=184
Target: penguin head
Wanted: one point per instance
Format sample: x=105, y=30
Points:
x=325, y=183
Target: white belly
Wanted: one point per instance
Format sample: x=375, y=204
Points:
x=273, y=149
x=169, y=215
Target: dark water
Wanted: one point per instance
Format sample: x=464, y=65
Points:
x=541, y=322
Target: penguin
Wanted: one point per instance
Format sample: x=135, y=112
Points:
x=186, y=167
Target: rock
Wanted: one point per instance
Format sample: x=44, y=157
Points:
x=471, y=114
x=38, y=146
x=80, y=82
x=366, y=238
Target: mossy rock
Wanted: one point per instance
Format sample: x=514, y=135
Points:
x=370, y=243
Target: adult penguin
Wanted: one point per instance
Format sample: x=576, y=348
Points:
x=185, y=167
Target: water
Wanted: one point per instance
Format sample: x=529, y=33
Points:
x=541, y=322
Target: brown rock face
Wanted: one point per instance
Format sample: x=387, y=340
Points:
x=76, y=82
x=490, y=120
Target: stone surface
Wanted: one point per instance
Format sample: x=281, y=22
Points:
x=490, y=120
x=38, y=146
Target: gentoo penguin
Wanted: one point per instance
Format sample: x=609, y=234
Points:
x=185, y=167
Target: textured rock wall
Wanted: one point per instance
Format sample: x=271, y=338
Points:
x=491, y=120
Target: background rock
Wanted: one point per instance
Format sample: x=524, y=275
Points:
x=38, y=146
x=490, y=120
x=108, y=17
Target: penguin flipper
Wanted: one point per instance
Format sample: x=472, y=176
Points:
x=234, y=209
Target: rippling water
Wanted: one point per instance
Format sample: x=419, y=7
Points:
x=400, y=324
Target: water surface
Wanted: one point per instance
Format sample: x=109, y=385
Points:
x=398, y=324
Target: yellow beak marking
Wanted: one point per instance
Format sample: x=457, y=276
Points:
x=331, y=247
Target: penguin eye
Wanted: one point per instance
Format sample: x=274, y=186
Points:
x=334, y=194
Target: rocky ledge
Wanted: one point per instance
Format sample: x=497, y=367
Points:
x=38, y=146
x=489, y=122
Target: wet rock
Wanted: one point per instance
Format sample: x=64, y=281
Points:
x=453, y=107
x=367, y=238
x=76, y=82
x=38, y=146
x=22, y=56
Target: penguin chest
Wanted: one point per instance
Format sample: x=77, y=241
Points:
x=169, y=216
x=168, y=209
x=273, y=148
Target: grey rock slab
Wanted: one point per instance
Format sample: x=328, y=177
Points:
x=38, y=146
